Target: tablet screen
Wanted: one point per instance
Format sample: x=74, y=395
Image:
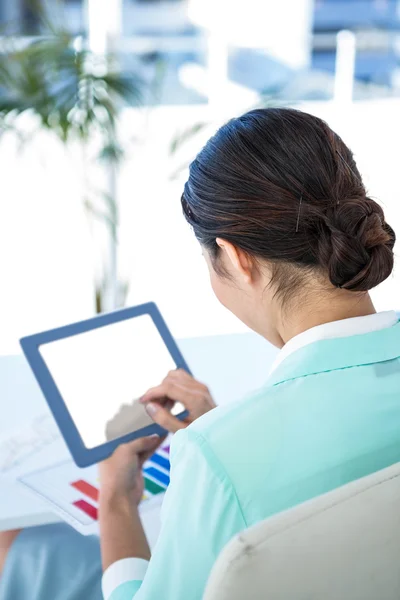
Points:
x=102, y=373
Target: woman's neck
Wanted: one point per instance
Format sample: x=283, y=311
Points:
x=323, y=310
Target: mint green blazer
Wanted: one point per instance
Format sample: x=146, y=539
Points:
x=329, y=414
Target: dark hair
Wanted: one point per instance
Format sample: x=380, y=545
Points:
x=282, y=186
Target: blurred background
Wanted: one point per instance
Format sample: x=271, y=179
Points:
x=103, y=104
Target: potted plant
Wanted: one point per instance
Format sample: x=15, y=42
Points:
x=77, y=96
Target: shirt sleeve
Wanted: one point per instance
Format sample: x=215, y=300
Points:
x=200, y=514
x=127, y=574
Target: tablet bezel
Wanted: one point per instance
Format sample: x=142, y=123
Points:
x=83, y=456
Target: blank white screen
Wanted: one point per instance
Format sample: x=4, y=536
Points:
x=101, y=374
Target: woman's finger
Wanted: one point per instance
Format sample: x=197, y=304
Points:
x=172, y=390
x=146, y=455
x=163, y=417
x=182, y=376
x=142, y=445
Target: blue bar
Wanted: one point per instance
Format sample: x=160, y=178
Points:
x=161, y=461
x=157, y=475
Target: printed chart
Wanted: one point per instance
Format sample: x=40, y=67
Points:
x=73, y=492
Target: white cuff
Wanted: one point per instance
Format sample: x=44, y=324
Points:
x=126, y=569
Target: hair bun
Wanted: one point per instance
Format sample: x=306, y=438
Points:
x=356, y=245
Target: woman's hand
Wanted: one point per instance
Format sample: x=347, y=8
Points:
x=121, y=490
x=121, y=475
x=181, y=387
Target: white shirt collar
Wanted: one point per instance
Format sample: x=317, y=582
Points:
x=337, y=329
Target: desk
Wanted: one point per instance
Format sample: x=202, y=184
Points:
x=231, y=365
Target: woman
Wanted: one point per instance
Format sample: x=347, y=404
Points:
x=293, y=245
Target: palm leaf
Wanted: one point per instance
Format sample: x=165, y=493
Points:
x=181, y=138
x=111, y=153
x=127, y=87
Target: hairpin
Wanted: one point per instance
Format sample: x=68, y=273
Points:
x=298, y=214
x=345, y=161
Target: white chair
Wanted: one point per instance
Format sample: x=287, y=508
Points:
x=344, y=545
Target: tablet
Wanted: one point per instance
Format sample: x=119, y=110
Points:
x=93, y=374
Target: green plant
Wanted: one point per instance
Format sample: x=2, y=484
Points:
x=77, y=96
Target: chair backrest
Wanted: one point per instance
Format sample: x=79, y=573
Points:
x=342, y=545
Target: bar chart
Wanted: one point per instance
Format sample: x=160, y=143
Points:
x=74, y=493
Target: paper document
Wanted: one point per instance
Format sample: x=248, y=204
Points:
x=73, y=493
x=19, y=445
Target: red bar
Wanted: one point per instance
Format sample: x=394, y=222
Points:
x=87, y=508
x=87, y=489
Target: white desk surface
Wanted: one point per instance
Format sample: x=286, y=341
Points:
x=231, y=365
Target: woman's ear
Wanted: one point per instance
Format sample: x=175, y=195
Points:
x=238, y=262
